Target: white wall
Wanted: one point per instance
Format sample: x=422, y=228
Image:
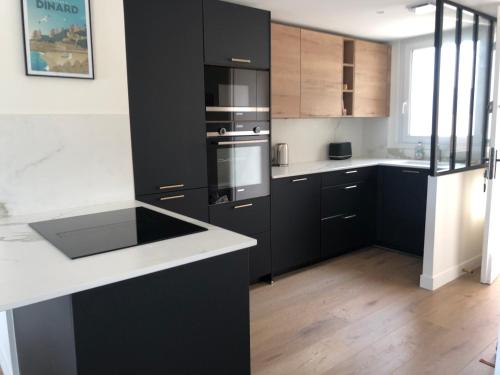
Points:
x=8, y=355
x=454, y=227
x=308, y=139
x=64, y=142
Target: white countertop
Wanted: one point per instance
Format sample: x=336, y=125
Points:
x=338, y=165
x=33, y=270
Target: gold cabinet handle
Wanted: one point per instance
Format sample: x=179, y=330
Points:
x=243, y=206
x=351, y=172
x=300, y=179
x=166, y=187
x=351, y=187
x=349, y=217
x=172, y=197
x=244, y=61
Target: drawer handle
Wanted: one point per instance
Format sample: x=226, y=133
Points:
x=410, y=171
x=172, y=197
x=171, y=187
x=349, y=217
x=244, y=61
x=243, y=206
x=351, y=172
x=300, y=179
x=351, y=187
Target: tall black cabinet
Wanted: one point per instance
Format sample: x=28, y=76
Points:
x=167, y=105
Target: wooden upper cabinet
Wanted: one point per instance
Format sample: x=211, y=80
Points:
x=321, y=74
x=371, y=79
x=285, y=67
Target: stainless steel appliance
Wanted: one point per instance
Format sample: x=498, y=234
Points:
x=238, y=161
x=236, y=94
x=238, y=133
x=281, y=154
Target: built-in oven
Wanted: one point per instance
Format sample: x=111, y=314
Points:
x=236, y=94
x=238, y=160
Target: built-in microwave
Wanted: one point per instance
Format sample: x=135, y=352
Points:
x=236, y=94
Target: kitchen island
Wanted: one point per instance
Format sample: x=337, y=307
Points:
x=174, y=306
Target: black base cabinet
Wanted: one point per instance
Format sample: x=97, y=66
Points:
x=192, y=319
x=402, y=208
x=192, y=203
x=251, y=218
x=295, y=222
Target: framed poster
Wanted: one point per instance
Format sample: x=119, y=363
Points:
x=58, y=38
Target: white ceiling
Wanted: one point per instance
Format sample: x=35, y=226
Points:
x=360, y=17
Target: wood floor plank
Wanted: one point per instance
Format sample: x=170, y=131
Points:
x=365, y=314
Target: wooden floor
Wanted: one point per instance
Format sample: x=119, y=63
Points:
x=365, y=314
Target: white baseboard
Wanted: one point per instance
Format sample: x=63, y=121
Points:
x=452, y=273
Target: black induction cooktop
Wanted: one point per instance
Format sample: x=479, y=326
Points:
x=86, y=235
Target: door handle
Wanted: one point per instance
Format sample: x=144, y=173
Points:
x=171, y=187
x=243, y=61
x=300, y=180
x=410, y=171
x=243, y=206
x=349, y=217
x=172, y=197
x=226, y=143
x=351, y=187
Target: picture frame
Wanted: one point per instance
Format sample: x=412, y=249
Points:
x=58, y=38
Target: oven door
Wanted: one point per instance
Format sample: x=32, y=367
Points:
x=238, y=168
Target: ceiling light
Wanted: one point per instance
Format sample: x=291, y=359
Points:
x=425, y=8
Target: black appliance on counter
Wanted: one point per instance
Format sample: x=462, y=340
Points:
x=86, y=235
x=340, y=151
x=238, y=133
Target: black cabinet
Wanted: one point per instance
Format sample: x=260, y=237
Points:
x=260, y=257
x=251, y=218
x=166, y=94
x=192, y=319
x=348, y=210
x=295, y=222
x=236, y=35
x=402, y=208
x=245, y=217
x=192, y=203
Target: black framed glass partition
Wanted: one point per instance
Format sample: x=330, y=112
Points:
x=464, y=53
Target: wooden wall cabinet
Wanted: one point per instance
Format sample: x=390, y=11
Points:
x=316, y=74
x=321, y=74
x=372, y=69
x=285, y=65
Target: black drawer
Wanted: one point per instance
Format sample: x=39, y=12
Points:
x=260, y=257
x=343, y=199
x=246, y=217
x=343, y=233
x=348, y=176
x=192, y=203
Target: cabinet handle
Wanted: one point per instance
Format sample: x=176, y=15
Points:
x=351, y=172
x=300, y=179
x=351, y=187
x=349, y=217
x=172, y=197
x=410, y=171
x=243, y=206
x=244, y=61
x=171, y=187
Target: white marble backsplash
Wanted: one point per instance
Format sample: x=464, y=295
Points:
x=52, y=162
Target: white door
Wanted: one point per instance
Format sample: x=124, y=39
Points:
x=490, y=268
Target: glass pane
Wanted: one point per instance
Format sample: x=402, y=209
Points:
x=446, y=85
x=421, y=91
x=239, y=166
x=481, y=97
x=465, y=79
